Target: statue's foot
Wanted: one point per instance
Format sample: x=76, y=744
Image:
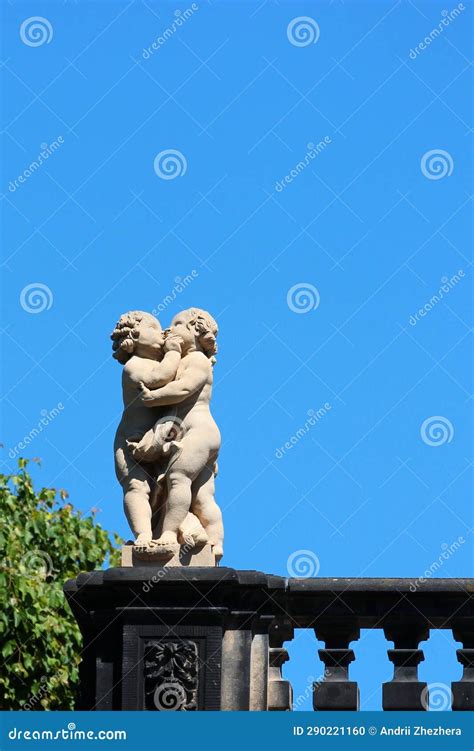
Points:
x=143, y=540
x=155, y=550
x=193, y=539
x=218, y=551
x=189, y=541
x=165, y=546
x=141, y=546
x=167, y=538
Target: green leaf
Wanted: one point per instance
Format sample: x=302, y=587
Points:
x=43, y=542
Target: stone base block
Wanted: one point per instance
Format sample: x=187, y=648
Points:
x=336, y=695
x=280, y=696
x=463, y=696
x=404, y=696
x=184, y=556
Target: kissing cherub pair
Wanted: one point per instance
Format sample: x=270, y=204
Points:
x=167, y=442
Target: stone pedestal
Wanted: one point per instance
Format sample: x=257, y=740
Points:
x=174, y=638
x=185, y=556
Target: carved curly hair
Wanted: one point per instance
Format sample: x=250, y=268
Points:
x=206, y=328
x=125, y=333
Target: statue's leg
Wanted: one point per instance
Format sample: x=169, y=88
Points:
x=206, y=508
x=187, y=465
x=177, y=506
x=137, y=490
x=157, y=502
x=137, y=484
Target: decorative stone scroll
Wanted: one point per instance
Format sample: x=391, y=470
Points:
x=171, y=675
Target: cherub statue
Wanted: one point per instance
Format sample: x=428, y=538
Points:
x=139, y=344
x=192, y=467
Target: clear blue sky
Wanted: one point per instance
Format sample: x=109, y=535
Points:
x=363, y=223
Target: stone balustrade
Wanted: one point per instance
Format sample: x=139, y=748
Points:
x=231, y=631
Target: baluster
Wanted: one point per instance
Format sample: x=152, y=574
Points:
x=463, y=690
x=405, y=691
x=259, y=664
x=336, y=691
x=280, y=693
x=236, y=651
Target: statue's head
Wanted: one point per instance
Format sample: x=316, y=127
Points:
x=197, y=329
x=137, y=333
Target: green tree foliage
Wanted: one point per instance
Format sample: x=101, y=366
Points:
x=43, y=542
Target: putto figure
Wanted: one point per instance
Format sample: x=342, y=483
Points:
x=167, y=442
x=139, y=344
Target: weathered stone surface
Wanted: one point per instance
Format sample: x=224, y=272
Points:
x=171, y=674
x=463, y=690
x=232, y=617
x=184, y=556
x=167, y=442
x=219, y=614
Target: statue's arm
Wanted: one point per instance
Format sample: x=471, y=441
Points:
x=164, y=372
x=192, y=379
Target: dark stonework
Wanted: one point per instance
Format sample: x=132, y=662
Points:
x=405, y=692
x=336, y=691
x=177, y=669
x=171, y=675
x=212, y=638
x=280, y=694
x=156, y=639
x=463, y=690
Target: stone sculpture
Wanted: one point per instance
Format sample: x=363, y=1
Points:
x=167, y=442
